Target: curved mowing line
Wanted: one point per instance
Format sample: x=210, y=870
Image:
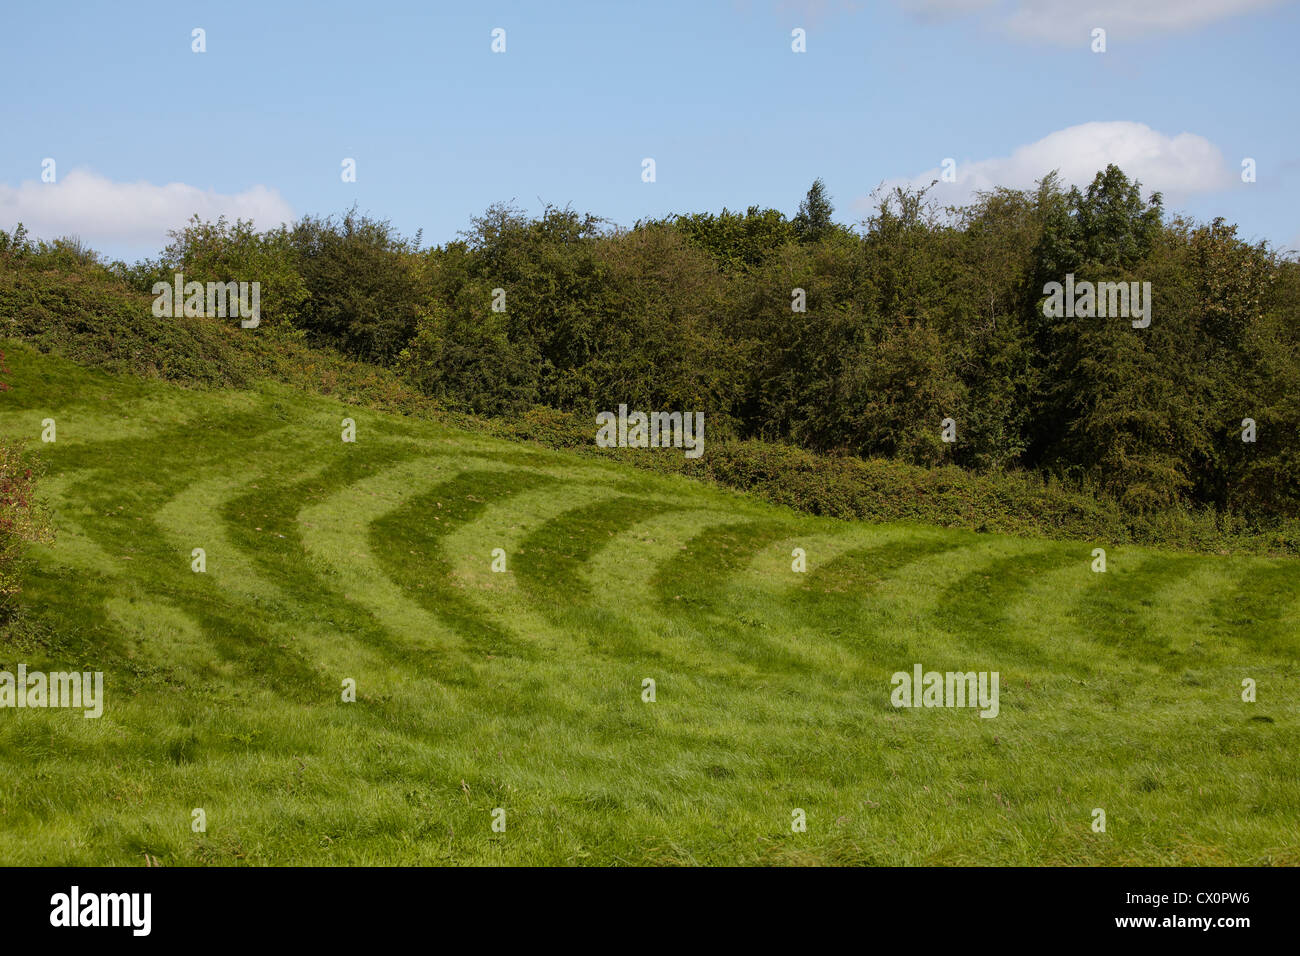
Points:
x=548, y=465
x=193, y=518
x=237, y=636
x=87, y=419
x=1261, y=611
x=193, y=513
x=336, y=533
x=600, y=644
x=513, y=685
x=80, y=553
x=190, y=445
x=163, y=455
x=856, y=614
x=1119, y=609
x=547, y=462
x=553, y=571
x=1038, y=617
x=168, y=640
x=1185, y=615
x=1177, y=612
x=772, y=566
x=102, y=424
x=695, y=579
x=408, y=543
x=281, y=551
x=974, y=609
x=506, y=524
x=100, y=538
x=496, y=452
x=72, y=604
x=626, y=613
x=857, y=572
x=134, y=483
x=845, y=598
x=695, y=587
x=839, y=599
x=650, y=543
x=552, y=557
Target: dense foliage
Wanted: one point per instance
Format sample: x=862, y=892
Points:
x=802, y=332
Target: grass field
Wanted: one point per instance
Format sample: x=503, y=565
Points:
x=522, y=690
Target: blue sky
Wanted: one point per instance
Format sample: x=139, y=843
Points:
x=144, y=132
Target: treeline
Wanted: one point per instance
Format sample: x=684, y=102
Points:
x=801, y=331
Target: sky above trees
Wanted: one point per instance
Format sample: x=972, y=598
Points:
x=144, y=131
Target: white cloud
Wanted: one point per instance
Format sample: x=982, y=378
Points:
x=106, y=214
x=944, y=9
x=1071, y=21
x=1178, y=166
x=816, y=12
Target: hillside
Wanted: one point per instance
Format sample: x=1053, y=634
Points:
x=523, y=690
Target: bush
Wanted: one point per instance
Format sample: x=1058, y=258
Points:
x=359, y=276
x=223, y=251
x=22, y=519
x=874, y=489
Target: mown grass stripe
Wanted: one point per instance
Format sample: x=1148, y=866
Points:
x=409, y=541
x=552, y=558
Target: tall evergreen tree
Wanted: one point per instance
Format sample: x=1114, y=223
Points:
x=813, y=220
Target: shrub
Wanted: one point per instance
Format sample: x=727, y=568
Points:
x=22, y=519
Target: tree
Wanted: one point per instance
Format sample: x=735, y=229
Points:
x=737, y=242
x=1106, y=233
x=363, y=295
x=813, y=220
x=225, y=251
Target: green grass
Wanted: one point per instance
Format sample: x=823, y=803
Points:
x=523, y=690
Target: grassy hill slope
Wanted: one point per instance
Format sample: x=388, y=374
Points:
x=523, y=690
